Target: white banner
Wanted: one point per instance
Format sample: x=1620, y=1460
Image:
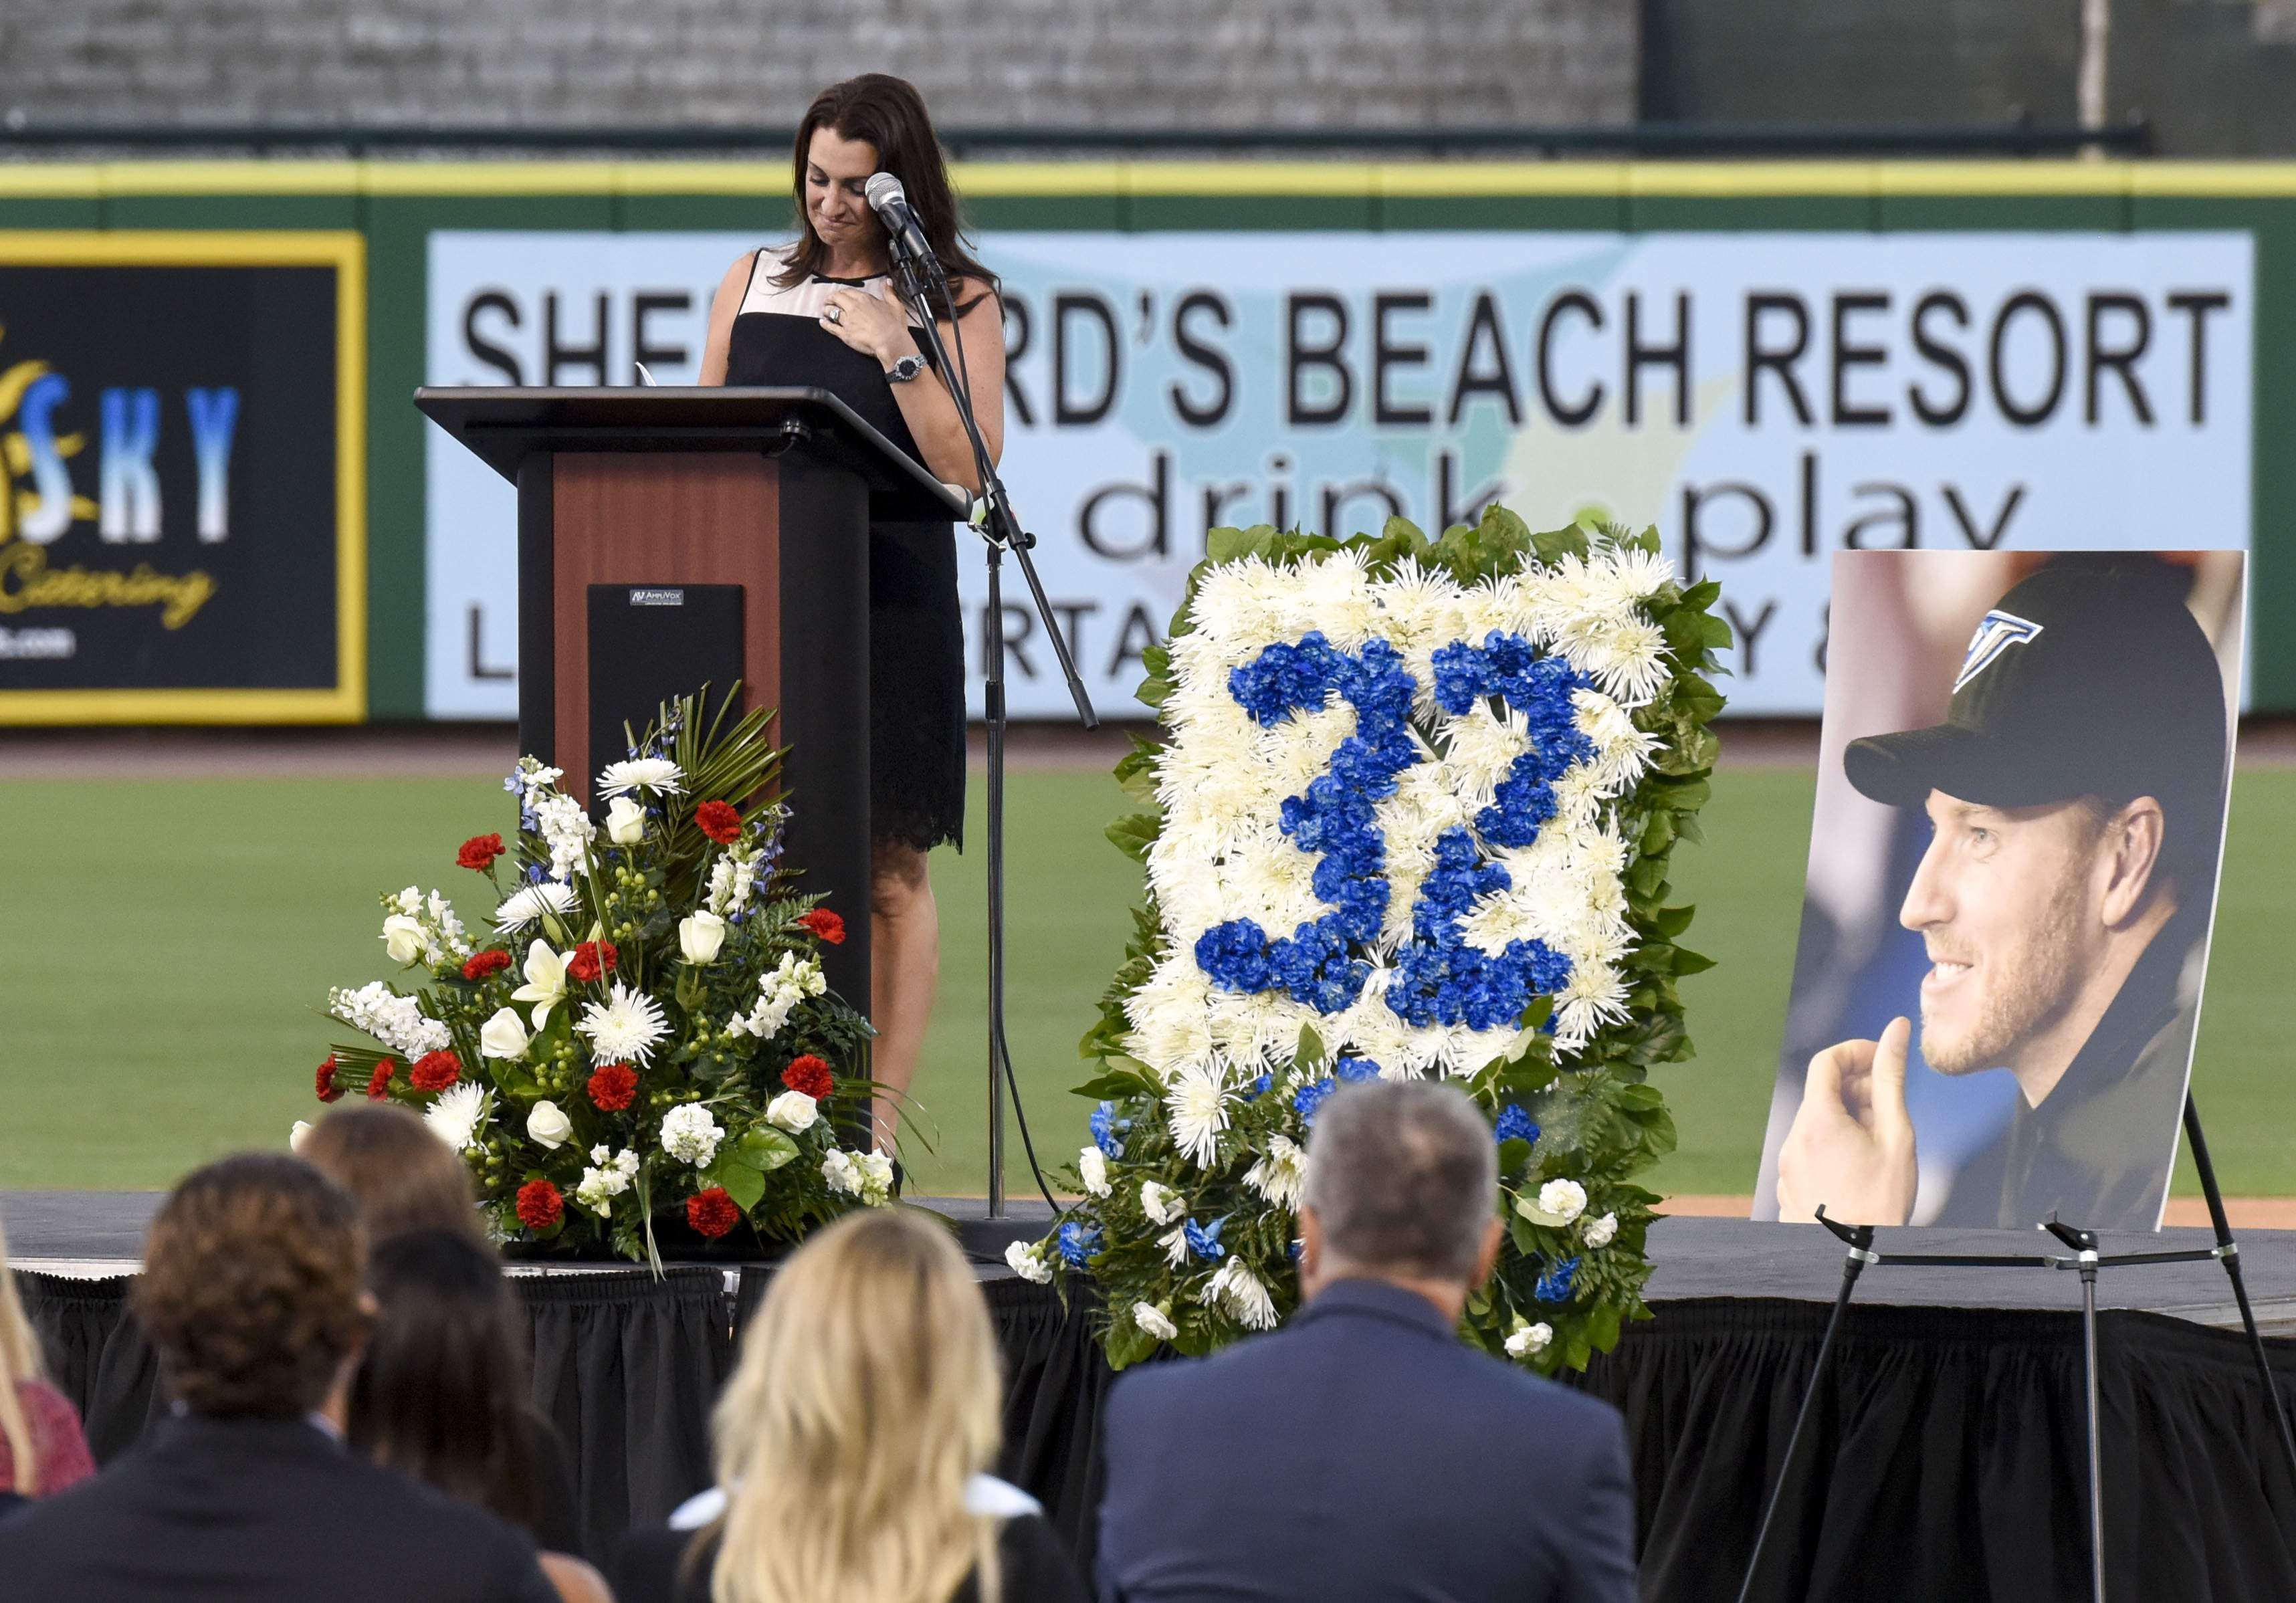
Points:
x=1765, y=399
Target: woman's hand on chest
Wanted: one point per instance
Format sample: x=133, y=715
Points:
x=872, y=324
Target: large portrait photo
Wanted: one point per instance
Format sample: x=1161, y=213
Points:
x=2022, y=787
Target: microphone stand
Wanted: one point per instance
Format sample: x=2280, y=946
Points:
x=917, y=274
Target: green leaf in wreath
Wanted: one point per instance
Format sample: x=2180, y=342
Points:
x=743, y=1183
x=764, y=1148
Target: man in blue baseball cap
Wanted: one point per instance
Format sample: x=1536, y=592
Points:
x=2075, y=795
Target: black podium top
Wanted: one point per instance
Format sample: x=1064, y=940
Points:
x=504, y=425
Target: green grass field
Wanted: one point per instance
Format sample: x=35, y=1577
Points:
x=164, y=946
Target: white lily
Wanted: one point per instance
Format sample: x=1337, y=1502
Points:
x=546, y=982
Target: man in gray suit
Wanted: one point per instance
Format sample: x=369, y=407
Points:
x=1365, y=1452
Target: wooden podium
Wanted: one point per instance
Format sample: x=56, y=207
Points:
x=670, y=537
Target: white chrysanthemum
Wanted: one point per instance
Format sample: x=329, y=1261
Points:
x=1564, y=1199
x=1170, y=1015
x=1621, y=751
x=689, y=1133
x=1277, y=1175
x=1022, y=1257
x=1631, y=574
x=1602, y=1231
x=1480, y=750
x=624, y=1028
x=459, y=1114
x=658, y=774
x=396, y=1021
x=522, y=907
x=1160, y=1203
x=1197, y=1100
x=1092, y=1167
x=1625, y=652
x=1238, y=1291
x=1529, y=1340
x=1175, y=1243
x=1152, y=1320
x=1593, y=996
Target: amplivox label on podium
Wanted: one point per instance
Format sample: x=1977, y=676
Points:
x=181, y=525
x=1766, y=399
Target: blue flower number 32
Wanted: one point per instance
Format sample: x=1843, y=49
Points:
x=1437, y=977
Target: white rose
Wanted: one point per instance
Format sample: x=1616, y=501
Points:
x=301, y=1134
x=1600, y=1232
x=1151, y=1318
x=1091, y=1163
x=793, y=1111
x=1160, y=1202
x=1565, y=1199
x=625, y=821
x=549, y=1125
x=698, y=936
x=1529, y=1340
x=402, y=938
x=1025, y=1262
x=504, y=1036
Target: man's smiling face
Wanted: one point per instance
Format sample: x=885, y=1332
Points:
x=2007, y=900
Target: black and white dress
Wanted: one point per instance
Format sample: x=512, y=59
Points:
x=917, y=641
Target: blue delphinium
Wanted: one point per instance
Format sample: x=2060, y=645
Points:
x=1310, y=1098
x=1077, y=1243
x=1554, y=1285
x=1204, y=1239
x=1351, y=1070
x=1258, y=1087
x=1104, y=1127
x=1513, y=1125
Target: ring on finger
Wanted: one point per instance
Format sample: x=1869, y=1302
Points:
x=836, y=314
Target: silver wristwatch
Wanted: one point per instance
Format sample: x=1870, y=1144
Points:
x=908, y=367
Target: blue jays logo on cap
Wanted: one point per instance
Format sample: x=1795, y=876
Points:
x=1997, y=632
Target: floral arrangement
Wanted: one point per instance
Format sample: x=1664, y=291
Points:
x=1411, y=815
x=645, y=1032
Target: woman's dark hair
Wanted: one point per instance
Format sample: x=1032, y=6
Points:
x=401, y=1175
x=439, y=1394
x=888, y=114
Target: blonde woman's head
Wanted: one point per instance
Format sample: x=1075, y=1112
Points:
x=20, y=1361
x=866, y=1397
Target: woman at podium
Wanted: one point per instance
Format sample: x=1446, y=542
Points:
x=822, y=311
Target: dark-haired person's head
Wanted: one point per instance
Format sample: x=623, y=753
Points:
x=438, y=1394
x=251, y=1289
x=402, y=1176
x=1400, y=1182
x=866, y=124
x=2075, y=799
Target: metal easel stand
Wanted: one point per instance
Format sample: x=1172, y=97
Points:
x=2087, y=1260
x=1001, y=532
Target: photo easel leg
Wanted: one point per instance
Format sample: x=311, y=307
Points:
x=2229, y=1254
x=1859, y=1239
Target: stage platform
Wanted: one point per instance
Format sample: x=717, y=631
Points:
x=1946, y=1458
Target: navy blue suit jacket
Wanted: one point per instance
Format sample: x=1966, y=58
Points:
x=1363, y=1453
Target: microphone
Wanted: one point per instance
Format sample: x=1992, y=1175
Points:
x=890, y=202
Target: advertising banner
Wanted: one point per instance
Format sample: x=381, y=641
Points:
x=1766, y=399
x=2021, y=792
x=182, y=530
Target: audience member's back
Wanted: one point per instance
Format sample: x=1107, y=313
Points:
x=1365, y=1452
x=251, y=1295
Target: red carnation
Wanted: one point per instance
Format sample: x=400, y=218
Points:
x=329, y=1091
x=590, y=962
x=712, y=1213
x=435, y=1071
x=539, y=1204
x=719, y=822
x=810, y=1076
x=479, y=852
x=483, y=963
x=828, y=926
x=613, y=1087
x=379, y=1087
